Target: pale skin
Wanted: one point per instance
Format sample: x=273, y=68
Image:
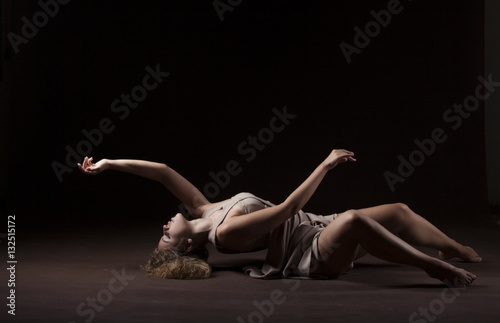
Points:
x=388, y=232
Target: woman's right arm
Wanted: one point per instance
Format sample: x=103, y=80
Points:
x=238, y=233
x=180, y=187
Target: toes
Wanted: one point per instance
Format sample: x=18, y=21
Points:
x=465, y=282
x=474, y=257
x=468, y=279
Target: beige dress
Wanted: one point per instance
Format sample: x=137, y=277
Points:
x=293, y=246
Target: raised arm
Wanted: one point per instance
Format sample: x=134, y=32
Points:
x=303, y=193
x=239, y=232
x=180, y=187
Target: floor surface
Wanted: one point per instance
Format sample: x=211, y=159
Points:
x=95, y=277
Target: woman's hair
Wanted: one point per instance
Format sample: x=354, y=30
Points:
x=173, y=264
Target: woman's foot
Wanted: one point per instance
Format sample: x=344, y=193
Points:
x=450, y=274
x=465, y=253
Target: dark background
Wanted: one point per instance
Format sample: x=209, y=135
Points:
x=225, y=79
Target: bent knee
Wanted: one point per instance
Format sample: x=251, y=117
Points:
x=354, y=217
x=402, y=210
x=401, y=207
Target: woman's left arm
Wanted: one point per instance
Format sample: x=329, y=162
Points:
x=180, y=187
x=238, y=231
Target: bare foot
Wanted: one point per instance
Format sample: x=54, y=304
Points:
x=465, y=253
x=450, y=274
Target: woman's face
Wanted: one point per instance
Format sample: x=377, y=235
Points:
x=173, y=232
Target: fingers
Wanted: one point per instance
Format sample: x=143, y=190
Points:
x=347, y=152
x=339, y=156
x=344, y=150
x=342, y=153
x=88, y=161
x=86, y=165
x=85, y=162
x=344, y=159
x=83, y=165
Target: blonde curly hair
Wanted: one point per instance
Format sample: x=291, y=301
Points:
x=174, y=264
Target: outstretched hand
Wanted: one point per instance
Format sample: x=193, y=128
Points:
x=338, y=156
x=89, y=168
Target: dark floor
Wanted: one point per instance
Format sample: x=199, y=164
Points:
x=71, y=277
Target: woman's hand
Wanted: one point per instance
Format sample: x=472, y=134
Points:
x=338, y=156
x=89, y=168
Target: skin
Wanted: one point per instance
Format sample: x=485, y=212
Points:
x=386, y=231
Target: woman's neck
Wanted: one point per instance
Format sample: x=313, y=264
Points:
x=200, y=229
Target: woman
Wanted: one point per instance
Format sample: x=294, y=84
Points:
x=299, y=244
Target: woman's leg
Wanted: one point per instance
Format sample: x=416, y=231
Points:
x=338, y=244
x=414, y=229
